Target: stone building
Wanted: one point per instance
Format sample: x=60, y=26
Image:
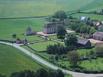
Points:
x=98, y=36
x=84, y=43
x=51, y=27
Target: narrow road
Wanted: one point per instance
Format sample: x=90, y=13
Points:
x=48, y=64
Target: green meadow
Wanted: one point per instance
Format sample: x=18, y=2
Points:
x=31, y=8
x=25, y=8
x=12, y=60
x=19, y=26
x=94, y=5
x=92, y=16
x=42, y=46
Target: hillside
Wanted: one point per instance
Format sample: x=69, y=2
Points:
x=93, y=5
x=18, y=26
x=12, y=60
x=24, y=8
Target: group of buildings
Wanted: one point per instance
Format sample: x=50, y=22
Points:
x=51, y=28
x=97, y=24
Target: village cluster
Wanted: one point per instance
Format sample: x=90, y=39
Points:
x=68, y=34
x=51, y=28
x=51, y=38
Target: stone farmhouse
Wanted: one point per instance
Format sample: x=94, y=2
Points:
x=51, y=27
x=98, y=36
x=19, y=41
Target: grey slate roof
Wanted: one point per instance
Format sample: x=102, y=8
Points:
x=82, y=41
x=98, y=34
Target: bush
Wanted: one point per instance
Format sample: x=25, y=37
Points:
x=60, y=15
x=2, y=75
x=38, y=73
x=73, y=57
x=56, y=49
x=99, y=50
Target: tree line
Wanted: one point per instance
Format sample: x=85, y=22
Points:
x=39, y=73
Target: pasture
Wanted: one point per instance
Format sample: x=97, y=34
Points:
x=94, y=5
x=26, y=8
x=12, y=60
x=31, y=8
x=42, y=46
x=19, y=26
x=92, y=16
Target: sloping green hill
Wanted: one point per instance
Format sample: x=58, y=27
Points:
x=19, y=26
x=93, y=5
x=22, y=8
x=12, y=60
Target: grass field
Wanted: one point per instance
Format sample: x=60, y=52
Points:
x=94, y=5
x=22, y=8
x=19, y=26
x=26, y=8
x=42, y=45
x=92, y=16
x=12, y=60
x=93, y=65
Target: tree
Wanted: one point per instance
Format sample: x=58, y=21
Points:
x=2, y=75
x=52, y=73
x=71, y=41
x=56, y=49
x=59, y=73
x=60, y=15
x=41, y=73
x=73, y=57
x=14, y=35
x=92, y=30
x=101, y=11
x=99, y=50
x=84, y=29
x=38, y=73
x=61, y=32
x=26, y=73
x=57, y=57
x=81, y=27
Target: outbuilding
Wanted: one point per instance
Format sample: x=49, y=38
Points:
x=84, y=43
